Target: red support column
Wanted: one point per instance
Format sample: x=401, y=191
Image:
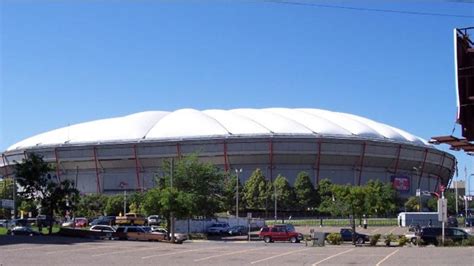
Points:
x=226, y=163
x=441, y=166
x=57, y=163
x=317, y=164
x=137, y=170
x=178, y=150
x=5, y=167
x=437, y=184
x=422, y=168
x=97, y=170
x=361, y=164
x=398, y=158
x=271, y=160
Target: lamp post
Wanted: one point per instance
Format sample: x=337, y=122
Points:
x=123, y=185
x=237, y=171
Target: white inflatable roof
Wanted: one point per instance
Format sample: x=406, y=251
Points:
x=192, y=124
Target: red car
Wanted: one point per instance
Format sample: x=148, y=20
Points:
x=280, y=233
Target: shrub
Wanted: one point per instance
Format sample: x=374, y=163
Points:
x=334, y=238
x=448, y=242
x=374, y=239
x=468, y=242
x=420, y=242
x=388, y=239
x=402, y=240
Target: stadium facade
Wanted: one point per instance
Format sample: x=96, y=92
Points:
x=110, y=155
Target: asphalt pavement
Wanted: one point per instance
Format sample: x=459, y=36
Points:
x=45, y=250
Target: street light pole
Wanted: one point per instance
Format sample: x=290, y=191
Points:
x=237, y=171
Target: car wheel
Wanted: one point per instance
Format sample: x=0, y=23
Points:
x=293, y=239
x=267, y=239
x=413, y=240
x=360, y=240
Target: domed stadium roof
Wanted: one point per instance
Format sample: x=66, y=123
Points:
x=193, y=124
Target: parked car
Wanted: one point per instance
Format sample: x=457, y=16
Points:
x=103, y=220
x=346, y=234
x=153, y=220
x=218, y=228
x=237, y=230
x=81, y=222
x=75, y=222
x=431, y=235
x=22, y=230
x=179, y=237
x=137, y=233
x=18, y=222
x=469, y=221
x=280, y=233
x=102, y=228
x=130, y=219
x=3, y=223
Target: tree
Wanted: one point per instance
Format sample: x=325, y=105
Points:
x=380, y=198
x=413, y=204
x=326, y=197
x=91, y=205
x=151, y=201
x=230, y=187
x=114, y=205
x=284, y=193
x=306, y=195
x=37, y=185
x=256, y=191
x=202, y=181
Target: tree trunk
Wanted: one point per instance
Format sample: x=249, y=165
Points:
x=51, y=213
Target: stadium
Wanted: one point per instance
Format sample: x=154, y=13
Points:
x=126, y=153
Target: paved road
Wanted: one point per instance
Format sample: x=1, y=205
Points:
x=45, y=250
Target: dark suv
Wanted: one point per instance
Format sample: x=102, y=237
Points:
x=346, y=235
x=280, y=233
x=431, y=235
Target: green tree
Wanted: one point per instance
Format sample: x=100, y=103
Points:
x=229, y=193
x=135, y=202
x=37, y=185
x=306, y=195
x=114, y=205
x=413, y=204
x=151, y=201
x=380, y=198
x=202, y=181
x=284, y=193
x=326, y=196
x=91, y=205
x=256, y=191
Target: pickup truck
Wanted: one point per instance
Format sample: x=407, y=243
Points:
x=130, y=219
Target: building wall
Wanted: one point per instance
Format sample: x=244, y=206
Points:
x=354, y=161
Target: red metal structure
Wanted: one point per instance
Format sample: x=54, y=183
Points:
x=361, y=166
x=97, y=171
x=318, y=164
x=422, y=168
x=137, y=168
x=226, y=162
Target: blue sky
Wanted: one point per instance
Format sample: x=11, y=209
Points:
x=65, y=62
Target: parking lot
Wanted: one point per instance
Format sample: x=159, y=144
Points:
x=71, y=251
